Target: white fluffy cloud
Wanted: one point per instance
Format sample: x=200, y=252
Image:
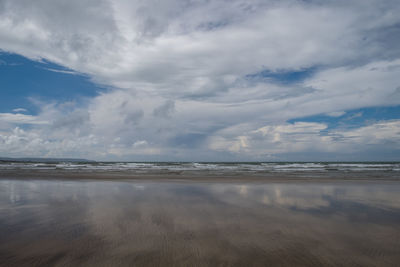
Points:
x=20, y=118
x=311, y=137
x=184, y=75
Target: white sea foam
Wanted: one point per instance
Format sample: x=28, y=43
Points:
x=208, y=167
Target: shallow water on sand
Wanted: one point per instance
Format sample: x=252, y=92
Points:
x=128, y=223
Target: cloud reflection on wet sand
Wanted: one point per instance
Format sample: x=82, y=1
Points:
x=198, y=224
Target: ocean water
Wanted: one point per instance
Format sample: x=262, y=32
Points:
x=227, y=167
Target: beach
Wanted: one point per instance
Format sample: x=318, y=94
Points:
x=200, y=133
x=53, y=217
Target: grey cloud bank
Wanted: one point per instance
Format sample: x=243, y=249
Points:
x=180, y=82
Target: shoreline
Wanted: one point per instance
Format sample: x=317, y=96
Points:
x=200, y=176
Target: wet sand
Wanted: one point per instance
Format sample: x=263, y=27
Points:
x=199, y=176
x=157, y=221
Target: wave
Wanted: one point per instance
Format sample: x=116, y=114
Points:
x=207, y=167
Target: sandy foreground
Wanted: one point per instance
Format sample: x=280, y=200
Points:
x=63, y=218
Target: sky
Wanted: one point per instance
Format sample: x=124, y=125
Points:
x=200, y=80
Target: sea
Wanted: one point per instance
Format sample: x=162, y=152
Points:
x=213, y=167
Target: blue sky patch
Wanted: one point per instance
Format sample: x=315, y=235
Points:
x=284, y=76
x=23, y=79
x=354, y=118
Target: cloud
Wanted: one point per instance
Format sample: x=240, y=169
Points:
x=62, y=71
x=165, y=110
x=19, y=142
x=311, y=137
x=16, y=110
x=213, y=77
x=140, y=143
x=19, y=118
x=336, y=113
x=189, y=46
